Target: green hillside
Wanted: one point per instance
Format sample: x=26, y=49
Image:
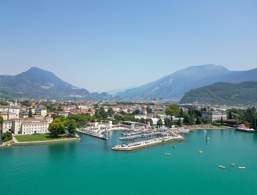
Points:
x=244, y=93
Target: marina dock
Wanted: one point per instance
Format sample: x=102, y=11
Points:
x=134, y=136
x=96, y=134
x=147, y=143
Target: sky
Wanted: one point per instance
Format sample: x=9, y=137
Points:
x=104, y=45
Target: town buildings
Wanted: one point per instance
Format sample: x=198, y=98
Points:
x=213, y=116
x=19, y=122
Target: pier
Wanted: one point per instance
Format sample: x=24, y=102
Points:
x=147, y=143
x=98, y=134
x=138, y=135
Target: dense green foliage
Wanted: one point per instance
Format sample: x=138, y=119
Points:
x=62, y=125
x=191, y=116
x=168, y=122
x=7, y=136
x=1, y=120
x=172, y=110
x=224, y=94
x=159, y=123
x=81, y=119
x=248, y=117
x=3, y=103
x=57, y=127
x=53, y=107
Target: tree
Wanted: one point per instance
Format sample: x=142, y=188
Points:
x=188, y=119
x=1, y=120
x=101, y=114
x=26, y=103
x=221, y=121
x=198, y=121
x=168, y=122
x=81, y=119
x=7, y=136
x=172, y=110
x=149, y=110
x=4, y=103
x=136, y=112
x=179, y=123
x=57, y=127
x=150, y=121
x=159, y=123
x=110, y=112
x=142, y=120
x=230, y=116
x=1, y=123
x=71, y=126
x=30, y=113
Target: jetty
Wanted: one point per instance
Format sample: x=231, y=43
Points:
x=147, y=143
x=98, y=134
x=150, y=134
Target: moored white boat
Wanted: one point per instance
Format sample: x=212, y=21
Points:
x=243, y=128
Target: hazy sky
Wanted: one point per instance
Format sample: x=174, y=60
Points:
x=111, y=44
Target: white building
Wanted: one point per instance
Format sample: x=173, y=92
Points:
x=155, y=120
x=141, y=117
x=6, y=126
x=33, y=126
x=14, y=110
x=42, y=112
x=9, y=113
x=83, y=107
x=214, y=115
x=27, y=126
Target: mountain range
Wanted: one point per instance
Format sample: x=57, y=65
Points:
x=244, y=93
x=41, y=84
x=175, y=85
x=37, y=83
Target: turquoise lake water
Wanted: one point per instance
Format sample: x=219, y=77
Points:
x=91, y=167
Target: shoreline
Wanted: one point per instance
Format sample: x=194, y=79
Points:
x=92, y=134
x=6, y=144
x=15, y=142
x=207, y=127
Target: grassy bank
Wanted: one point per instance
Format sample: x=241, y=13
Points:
x=41, y=139
x=36, y=137
x=206, y=126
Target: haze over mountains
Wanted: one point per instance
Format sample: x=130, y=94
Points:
x=175, y=85
x=37, y=83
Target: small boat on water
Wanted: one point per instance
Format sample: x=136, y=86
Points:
x=242, y=167
x=221, y=167
x=167, y=154
x=233, y=164
x=243, y=128
x=200, y=151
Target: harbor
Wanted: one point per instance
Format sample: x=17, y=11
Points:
x=133, y=136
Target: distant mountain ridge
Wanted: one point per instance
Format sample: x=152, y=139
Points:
x=41, y=84
x=244, y=93
x=175, y=85
x=38, y=83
